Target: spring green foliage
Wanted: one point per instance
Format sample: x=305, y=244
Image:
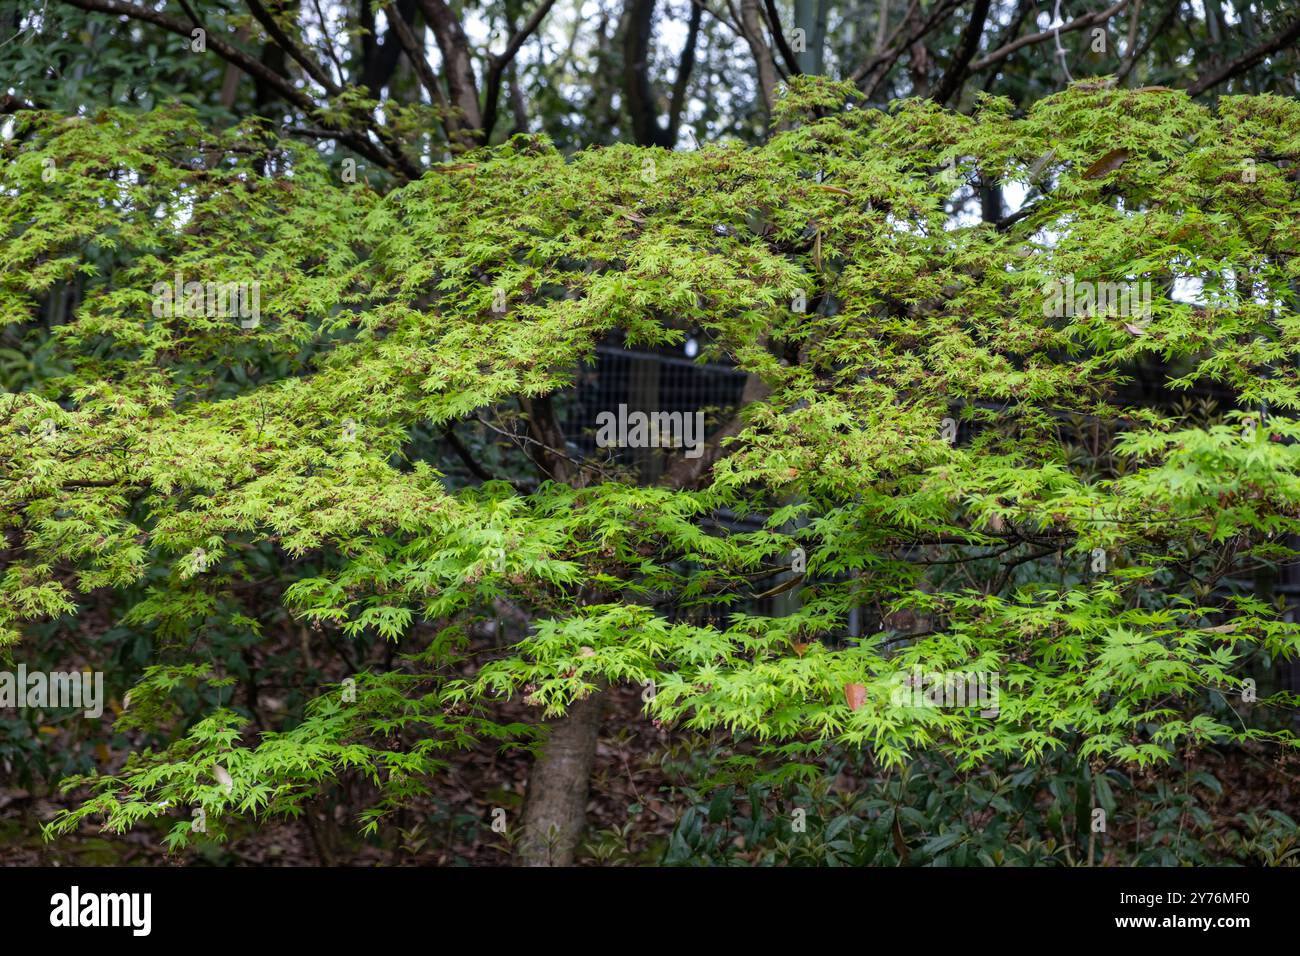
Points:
x=377, y=322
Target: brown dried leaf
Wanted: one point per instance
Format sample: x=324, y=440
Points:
x=855, y=694
x=1107, y=164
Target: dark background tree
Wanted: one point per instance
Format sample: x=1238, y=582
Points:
x=601, y=71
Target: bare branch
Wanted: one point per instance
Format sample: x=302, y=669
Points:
x=498, y=63
x=966, y=50
x=406, y=37
x=285, y=43
x=1131, y=61
x=684, y=68
x=329, y=46
x=1248, y=59
x=393, y=159
x=702, y=5
x=1078, y=23
x=778, y=37
x=877, y=68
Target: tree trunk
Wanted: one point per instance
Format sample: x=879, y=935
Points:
x=751, y=25
x=642, y=106
x=556, y=805
x=379, y=60
x=636, y=75
x=458, y=66
x=805, y=19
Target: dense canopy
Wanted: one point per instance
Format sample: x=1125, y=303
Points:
x=925, y=441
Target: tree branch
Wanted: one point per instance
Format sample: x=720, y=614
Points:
x=749, y=19
x=1078, y=23
x=498, y=63
x=282, y=39
x=955, y=75
x=329, y=46
x=778, y=37
x=379, y=60
x=396, y=163
x=241, y=59
x=457, y=67
x=1248, y=59
x=463, y=453
x=684, y=68
x=1160, y=28
x=406, y=37
x=878, y=67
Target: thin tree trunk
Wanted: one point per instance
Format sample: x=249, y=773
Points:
x=230, y=81
x=818, y=40
x=636, y=75
x=556, y=805
x=751, y=24
x=805, y=19
x=882, y=28
x=458, y=66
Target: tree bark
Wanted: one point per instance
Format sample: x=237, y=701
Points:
x=458, y=66
x=751, y=24
x=379, y=59
x=805, y=18
x=967, y=47
x=641, y=106
x=556, y=805
x=636, y=75
x=1286, y=37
